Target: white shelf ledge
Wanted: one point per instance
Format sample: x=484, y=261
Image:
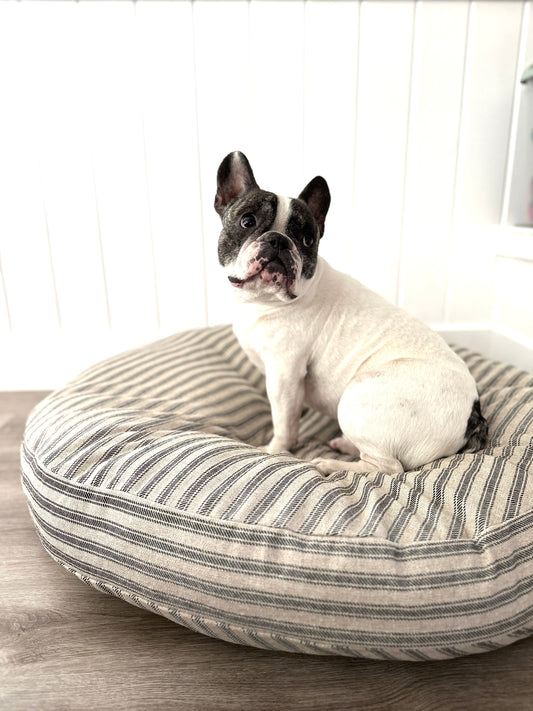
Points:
x=515, y=243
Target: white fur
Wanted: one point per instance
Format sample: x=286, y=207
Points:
x=282, y=214
x=401, y=396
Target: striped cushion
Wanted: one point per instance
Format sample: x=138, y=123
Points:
x=144, y=480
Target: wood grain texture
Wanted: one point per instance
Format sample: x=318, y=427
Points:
x=65, y=646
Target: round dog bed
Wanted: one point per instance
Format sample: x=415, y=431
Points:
x=144, y=479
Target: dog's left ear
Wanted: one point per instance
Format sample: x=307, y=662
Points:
x=316, y=195
x=234, y=178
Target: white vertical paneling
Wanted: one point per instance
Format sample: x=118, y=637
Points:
x=438, y=64
x=222, y=88
x=276, y=93
x=329, y=115
x=386, y=33
x=5, y=320
x=109, y=74
x=527, y=29
x=24, y=248
x=513, y=297
x=66, y=170
x=115, y=117
x=166, y=83
x=493, y=41
x=489, y=88
x=513, y=274
x=517, y=190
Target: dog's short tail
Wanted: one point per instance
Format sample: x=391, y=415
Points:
x=477, y=430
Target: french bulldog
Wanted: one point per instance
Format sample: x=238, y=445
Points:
x=401, y=396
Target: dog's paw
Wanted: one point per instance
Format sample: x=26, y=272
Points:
x=265, y=449
x=327, y=466
x=275, y=446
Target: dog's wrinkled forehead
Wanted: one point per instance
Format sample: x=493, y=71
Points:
x=269, y=212
x=260, y=203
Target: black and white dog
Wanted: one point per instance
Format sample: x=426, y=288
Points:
x=401, y=396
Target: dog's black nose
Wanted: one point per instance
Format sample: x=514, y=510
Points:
x=278, y=241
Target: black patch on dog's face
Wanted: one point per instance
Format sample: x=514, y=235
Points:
x=302, y=228
x=259, y=203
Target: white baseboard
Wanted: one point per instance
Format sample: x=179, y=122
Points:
x=505, y=347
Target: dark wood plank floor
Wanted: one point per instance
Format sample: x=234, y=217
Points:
x=65, y=646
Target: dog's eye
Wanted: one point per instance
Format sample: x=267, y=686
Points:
x=248, y=221
x=308, y=240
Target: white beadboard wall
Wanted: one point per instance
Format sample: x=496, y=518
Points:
x=114, y=117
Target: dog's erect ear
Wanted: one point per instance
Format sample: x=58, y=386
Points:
x=316, y=195
x=234, y=178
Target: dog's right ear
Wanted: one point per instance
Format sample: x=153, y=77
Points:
x=234, y=178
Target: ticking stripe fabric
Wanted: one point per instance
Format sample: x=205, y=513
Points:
x=144, y=479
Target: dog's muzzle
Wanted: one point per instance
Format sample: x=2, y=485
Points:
x=271, y=259
x=277, y=241
x=277, y=253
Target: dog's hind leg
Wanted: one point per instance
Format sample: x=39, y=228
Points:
x=366, y=464
x=343, y=444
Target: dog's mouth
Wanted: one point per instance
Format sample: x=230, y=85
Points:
x=275, y=274
x=269, y=266
x=277, y=269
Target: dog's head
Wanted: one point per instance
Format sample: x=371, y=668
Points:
x=268, y=244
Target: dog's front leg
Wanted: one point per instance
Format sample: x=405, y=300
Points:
x=285, y=391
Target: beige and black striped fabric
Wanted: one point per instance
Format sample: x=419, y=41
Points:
x=144, y=479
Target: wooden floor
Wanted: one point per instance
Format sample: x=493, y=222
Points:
x=65, y=646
